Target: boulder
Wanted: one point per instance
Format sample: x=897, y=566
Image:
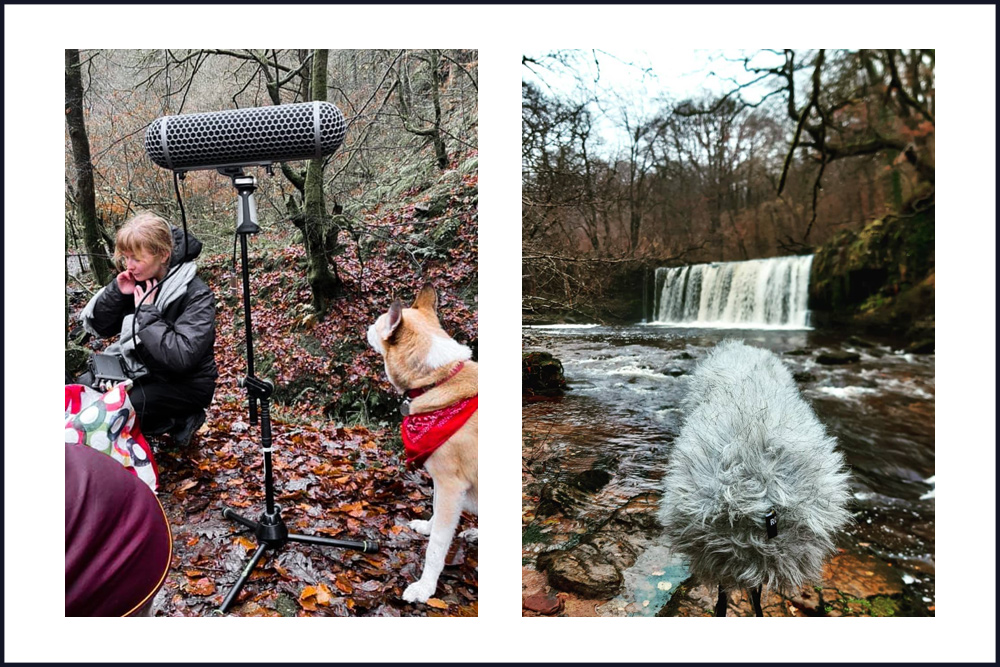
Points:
x=593, y=568
x=583, y=570
x=541, y=375
x=834, y=357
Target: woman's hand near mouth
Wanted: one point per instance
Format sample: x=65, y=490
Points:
x=126, y=282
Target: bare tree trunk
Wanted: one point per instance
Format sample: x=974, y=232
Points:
x=434, y=131
x=86, y=209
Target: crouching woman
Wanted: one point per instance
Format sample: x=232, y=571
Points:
x=163, y=315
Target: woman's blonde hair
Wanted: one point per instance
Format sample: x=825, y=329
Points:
x=147, y=232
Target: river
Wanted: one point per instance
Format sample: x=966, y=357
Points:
x=622, y=413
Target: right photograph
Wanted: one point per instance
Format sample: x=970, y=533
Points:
x=728, y=368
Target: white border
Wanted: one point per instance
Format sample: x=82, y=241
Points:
x=964, y=629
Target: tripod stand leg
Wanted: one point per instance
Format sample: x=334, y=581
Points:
x=238, y=586
x=233, y=516
x=365, y=546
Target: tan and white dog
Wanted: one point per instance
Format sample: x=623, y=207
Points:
x=441, y=385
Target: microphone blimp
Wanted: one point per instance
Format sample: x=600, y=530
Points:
x=257, y=136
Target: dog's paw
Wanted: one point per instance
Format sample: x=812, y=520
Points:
x=419, y=591
x=472, y=534
x=421, y=526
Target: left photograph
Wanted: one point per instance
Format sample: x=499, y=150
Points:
x=271, y=321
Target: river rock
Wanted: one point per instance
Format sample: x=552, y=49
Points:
x=638, y=513
x=921, y=347
x=615, y=549
x=543, y=604
x=684, y=356
x=860, y=342
x=560, y=498
x=564, y=496
x=591, y=481
x=541, y=375
x=834, y=357
x=672, y=371
x=803, y=377
x=583, y=570
x=853, y=584
x=593, y=568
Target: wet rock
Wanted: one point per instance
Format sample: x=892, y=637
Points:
x=859, y=342
x=615, y=549
x=543, y=604
x=685, y=356
x=559, y=498
x=541, y=375
x=593, y=568
x=583, y=570
x=804, y=377
x=921, y=347
x=638, y=513
x=835, y=357
x=861, y=576
x=853, y=584
x=563, y=497
x=800, y=352
x=591, y=480
x=672, y=371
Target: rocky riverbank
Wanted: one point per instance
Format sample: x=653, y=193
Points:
x=581, y=579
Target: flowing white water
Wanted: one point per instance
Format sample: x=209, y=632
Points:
x=757, y=293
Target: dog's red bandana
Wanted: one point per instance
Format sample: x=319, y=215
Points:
x=424, y=432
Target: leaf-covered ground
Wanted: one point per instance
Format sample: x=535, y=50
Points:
x=339, y=470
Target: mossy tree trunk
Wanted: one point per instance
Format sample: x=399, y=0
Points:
x=319, y=234
x=406, y=113
x=86, y=208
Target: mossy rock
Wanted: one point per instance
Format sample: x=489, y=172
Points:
x=541, y=375
x=76, y=359
x=868, y=276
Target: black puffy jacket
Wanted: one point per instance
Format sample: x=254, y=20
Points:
x=177, y=345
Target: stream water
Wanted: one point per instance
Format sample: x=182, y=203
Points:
x=622, y=413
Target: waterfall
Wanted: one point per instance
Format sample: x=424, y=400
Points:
x=757, y=293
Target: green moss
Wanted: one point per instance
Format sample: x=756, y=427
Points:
x=883, y=606
x=533, y=535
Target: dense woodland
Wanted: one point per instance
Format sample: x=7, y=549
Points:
x=805, y=144
x=394, y=208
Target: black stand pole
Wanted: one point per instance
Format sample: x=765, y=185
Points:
x=721, y=603
x=269, y=529
x=755, y=599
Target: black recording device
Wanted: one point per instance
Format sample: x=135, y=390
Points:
x=108, y=368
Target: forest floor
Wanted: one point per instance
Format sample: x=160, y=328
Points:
x=339, y=468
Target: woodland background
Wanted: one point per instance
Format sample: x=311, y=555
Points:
x=394, y=208
x=804, y=148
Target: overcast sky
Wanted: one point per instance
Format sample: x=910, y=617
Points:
x=643, y=78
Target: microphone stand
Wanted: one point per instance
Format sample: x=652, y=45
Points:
x=269, y=529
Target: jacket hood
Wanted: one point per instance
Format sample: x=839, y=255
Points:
x=178, y=255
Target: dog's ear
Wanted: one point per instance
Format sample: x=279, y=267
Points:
x=427, y=299
x=394, y=319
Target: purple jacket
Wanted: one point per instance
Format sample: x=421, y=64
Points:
x=118, y=544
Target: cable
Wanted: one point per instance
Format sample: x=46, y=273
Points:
x=170, y=273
